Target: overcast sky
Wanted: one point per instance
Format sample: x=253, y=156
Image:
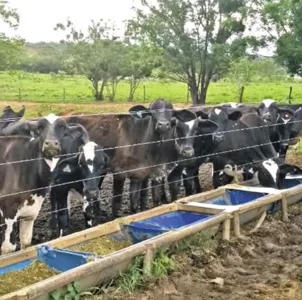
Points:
x=38, y=17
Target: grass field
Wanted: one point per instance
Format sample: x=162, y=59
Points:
x=41, y=88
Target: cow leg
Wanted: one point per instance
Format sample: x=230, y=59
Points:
x=118, y=187
x=96, y=204
x=26, y=227
x=135, y=192
x=9, y=243
x=54, y=216
x=156, y=191
x=144, y=194
x=188, y=181
x=63, y=214
x=174, y=181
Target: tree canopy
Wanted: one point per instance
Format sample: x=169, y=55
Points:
x=10, y=48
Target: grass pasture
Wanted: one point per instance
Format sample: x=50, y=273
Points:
x=47, y=88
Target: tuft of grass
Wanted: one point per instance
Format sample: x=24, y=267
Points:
x=162, y=264
x=132, y=279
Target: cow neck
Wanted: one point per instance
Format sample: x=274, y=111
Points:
x=43, y=173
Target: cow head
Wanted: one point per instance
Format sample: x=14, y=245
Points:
x=272, y=172
x=268, y=111
x=51, y=131
x=89, y=164
x=285, y=122
x=296, y=129
x=161, y=111
x=187, y=126
x=220, y=116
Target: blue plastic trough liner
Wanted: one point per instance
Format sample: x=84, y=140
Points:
x=57, y=259
x=149, y=228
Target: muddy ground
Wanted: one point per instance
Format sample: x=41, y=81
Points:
x=265, y=265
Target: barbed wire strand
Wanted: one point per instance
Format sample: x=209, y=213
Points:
x=155, y=142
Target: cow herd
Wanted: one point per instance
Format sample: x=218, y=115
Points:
x=55, y=155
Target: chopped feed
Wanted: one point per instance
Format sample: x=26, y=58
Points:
x=102, y=246
x=16, y=280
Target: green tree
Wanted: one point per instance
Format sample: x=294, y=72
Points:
x=282, y=20
x=10, y=48
x=197, y=38
x=241, y=73
x=139, y=62
x=95, y=55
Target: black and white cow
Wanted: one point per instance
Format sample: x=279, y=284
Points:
x=135, y=143
x=81, y=173
x=179, y=152
x=26, y=164
x=248, y=149
x=279, y=122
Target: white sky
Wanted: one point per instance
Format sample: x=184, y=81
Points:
x=39, y=17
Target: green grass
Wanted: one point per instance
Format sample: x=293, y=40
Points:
x=45, y=88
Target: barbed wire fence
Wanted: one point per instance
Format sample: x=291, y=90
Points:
x=145, y=167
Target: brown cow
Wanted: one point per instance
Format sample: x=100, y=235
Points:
x=134, y=144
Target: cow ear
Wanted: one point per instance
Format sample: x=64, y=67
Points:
x=206, y=126
x=21, y=112
x=79, y=131
x=234, y=115
x=139, y=111
x=184, y=115
x=202, y=114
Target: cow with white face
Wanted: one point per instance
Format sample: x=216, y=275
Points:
x=80, y=174
x=25, y=174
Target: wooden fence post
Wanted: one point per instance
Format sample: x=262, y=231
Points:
x=290, y=95
x=241, y=94
x=144, y=93
x=20, y=96
x=64, y=94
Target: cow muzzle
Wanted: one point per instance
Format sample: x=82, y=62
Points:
x=92, y=194
x=51, y=148
x=218, y=137
x=163, y=126
x=188, y=152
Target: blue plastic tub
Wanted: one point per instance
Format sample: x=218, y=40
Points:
x=149, y=228
x=236, y=197
x=60, y=260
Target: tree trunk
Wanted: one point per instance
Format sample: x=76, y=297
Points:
x=102, y=89
x=194, y=92
x=203, y=92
